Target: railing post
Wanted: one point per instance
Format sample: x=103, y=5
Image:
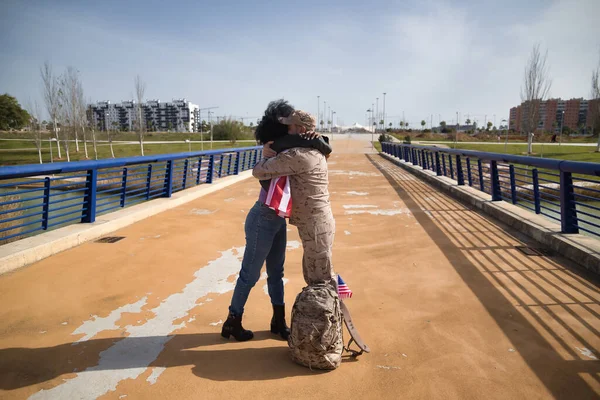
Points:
x=444, y=164
x=459, y=171
x=438, y=170
x=185, y=172
x=424, y=159
x=513, y=184
x=469, y=174
x=536, y=191
x=89, y=201
x=148, y=181
x=495, y=181
x=221, y=164
x=123, y=187
x=168, y=188
x=568, y=208
x=243, y=166
x=480, y=170
x=451, y=167
x=209, y=171
x=236, y=167
x=46, y=204
x=199, y=170
x=229, y=164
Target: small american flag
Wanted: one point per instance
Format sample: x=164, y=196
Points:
x=343, y=290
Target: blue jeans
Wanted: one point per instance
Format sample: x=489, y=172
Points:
x=266, y=239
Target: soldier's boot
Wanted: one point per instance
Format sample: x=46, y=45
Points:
x=278, y=325
x=233, y=327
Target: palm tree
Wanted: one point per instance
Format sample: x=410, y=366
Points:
x=390, y=125
x=468, y=121
x=423, y=123
x=489, y=125
x=401, y=125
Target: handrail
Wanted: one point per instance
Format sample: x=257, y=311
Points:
x=574, y=167
x=20, y=171
x=112, y=181
x=531, y=192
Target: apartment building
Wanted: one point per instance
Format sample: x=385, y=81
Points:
x=178, y=115
x=555, y=114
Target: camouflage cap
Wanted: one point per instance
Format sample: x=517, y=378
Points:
x=300, y=117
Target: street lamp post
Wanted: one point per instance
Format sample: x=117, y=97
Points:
x=324, y=112
x=506, y=141
x=376, y=112
x=562, y=123
x=384, y=110
x=318, y=110
x=456, y=134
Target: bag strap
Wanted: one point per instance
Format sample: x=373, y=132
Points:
x=354, y=336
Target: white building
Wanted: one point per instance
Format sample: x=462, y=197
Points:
x=179, y=115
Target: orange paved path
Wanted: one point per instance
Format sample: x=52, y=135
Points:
x=448, y=305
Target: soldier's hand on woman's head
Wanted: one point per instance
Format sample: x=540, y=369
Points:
x=268, y=152
x=309, y=135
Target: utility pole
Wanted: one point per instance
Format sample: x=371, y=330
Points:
x=384, y=110
x=377, y=112
x=318, y=110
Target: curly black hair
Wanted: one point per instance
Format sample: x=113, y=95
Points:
x=269, y=128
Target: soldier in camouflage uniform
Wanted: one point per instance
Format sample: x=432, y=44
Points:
x=311, y=209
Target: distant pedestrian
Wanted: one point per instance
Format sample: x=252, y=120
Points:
x=553, y=140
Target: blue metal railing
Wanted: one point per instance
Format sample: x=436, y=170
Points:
x=35, y=198
x=561, y=190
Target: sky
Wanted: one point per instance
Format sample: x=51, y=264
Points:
x=431, y=58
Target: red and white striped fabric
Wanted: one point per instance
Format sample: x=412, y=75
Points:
x=279, y=196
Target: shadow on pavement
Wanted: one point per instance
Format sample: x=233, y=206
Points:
x=22, y=367
x=544, y=299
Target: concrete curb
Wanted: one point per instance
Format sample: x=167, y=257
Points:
x=581, y=249
x=27, y=251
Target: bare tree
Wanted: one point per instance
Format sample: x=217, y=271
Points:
x=35, y=125
x=51, y=98
x=595, y=96
x=536, y=85
x=81, y=114
x=140, y=89
x=92, y=126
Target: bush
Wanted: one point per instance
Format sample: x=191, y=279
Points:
x=407, y=139
x=230, y=129
x=385, y=138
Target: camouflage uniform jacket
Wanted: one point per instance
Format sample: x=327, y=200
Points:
x=307, y=171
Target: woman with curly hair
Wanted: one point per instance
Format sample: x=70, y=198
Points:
x=266, y=232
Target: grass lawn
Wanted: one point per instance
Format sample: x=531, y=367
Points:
x=574, y=153
x=15, y=152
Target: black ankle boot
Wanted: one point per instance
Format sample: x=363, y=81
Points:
x=278, y=325
x=233, y=327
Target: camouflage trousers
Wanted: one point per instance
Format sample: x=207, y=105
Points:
x=317, y=241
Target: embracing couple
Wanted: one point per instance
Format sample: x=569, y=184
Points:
x=291, y=150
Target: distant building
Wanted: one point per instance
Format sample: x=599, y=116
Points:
x=179, y=115
x=554, y=114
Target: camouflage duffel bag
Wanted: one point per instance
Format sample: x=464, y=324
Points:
x=316, y=330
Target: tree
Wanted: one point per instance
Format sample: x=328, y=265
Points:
x=90, y=122
x=12, y=115
x=401, y=124
x=140, y=89
x=423, y=123
x=251, y=124
x=468, y=121
x=321, y=123
x=50, y=92
x=489, y=125
x=35, y=126
x=390, y=125
x=595, y=97
x=536, y=85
